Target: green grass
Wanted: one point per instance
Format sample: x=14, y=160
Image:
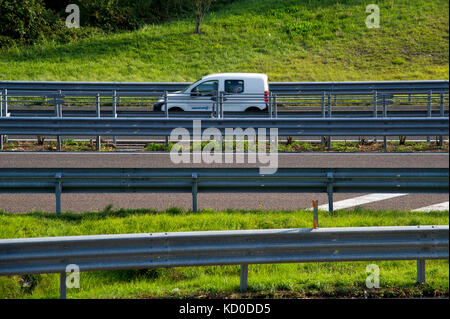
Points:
x=295, y=146
x=299, y=146
x=397, y=278
x=289, y=40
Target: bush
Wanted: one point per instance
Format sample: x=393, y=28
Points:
x=112, y=15
x=29, y=21
x=23, y=20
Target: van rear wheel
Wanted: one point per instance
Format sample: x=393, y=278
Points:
x=176, y=109
x=252, y=109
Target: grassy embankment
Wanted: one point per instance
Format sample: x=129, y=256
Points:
x=346, y=279
x=289, y=40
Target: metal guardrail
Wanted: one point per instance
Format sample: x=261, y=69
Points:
x=337, y=102
x=75, y=126
x=321, y=100
x=164, y=126
x=232, y=247
x=438, y=86
x=225, y=180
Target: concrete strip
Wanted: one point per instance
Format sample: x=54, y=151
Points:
x=436, y=207
x=360, y=200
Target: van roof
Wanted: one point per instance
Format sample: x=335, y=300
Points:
x=236, y=75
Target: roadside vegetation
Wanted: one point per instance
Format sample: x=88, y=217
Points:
x=289, y=40
x=308, y=280
x=364, y=145
x=345, y=279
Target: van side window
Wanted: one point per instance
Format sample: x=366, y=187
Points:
x=208, y=88
x=234, y=86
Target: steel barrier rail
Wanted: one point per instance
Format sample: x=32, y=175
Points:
x=354, y=87
x=198, y=114
x=231, y=247
x=73, y=126
x=227, y=180
x=440, y=86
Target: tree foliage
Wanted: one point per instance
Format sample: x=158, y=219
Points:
x=23, y=20
x=28, y=21
x=201, y=7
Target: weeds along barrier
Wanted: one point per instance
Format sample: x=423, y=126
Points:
x=231, y=247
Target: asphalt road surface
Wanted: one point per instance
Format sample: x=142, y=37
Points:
x=220, y=201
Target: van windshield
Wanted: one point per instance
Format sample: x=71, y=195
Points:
x=190, y=86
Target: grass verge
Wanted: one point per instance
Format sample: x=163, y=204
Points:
x=289, y=40
x=71, y=145
x=316, y=280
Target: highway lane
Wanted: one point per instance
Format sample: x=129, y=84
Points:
x=95, y=202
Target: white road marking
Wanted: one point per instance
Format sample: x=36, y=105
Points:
x=435, y=207
x=360, y=200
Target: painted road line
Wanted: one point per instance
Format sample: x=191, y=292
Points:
x=436, y=207
x=360, y=200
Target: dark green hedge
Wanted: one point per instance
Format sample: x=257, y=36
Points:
x=23, y=20
x=28, y=21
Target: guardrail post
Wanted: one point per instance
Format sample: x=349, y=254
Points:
x=384, y=115
x=441, y=113
x=59, y=141
x=329, y=115
x=375, y=109
x=194, y=191
x=330, y=177
x=329, y=104
x=97, y=110
x=60, y=95
x=62, y=286
x=275, y=106
x=114, y=111
x=1, y=115
x=221, y=99
x=58, y=190
x=166, y=105
x=216, y=105
x=166, y=113
x=270, y=104
x=421, y=271
x=323, y=114
x=429, y=110
x=58, y=113
x=5, y=113
x=244, y=277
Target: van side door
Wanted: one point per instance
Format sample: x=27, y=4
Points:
x=234, y=99
x=201, y=95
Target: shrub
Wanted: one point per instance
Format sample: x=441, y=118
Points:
x=23, y=20
x=29, y=21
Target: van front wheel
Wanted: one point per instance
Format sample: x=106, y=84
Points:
x=176, y=109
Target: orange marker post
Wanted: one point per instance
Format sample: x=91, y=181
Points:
x=316, y=214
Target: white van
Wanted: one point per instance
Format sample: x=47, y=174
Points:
x=242, y=92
